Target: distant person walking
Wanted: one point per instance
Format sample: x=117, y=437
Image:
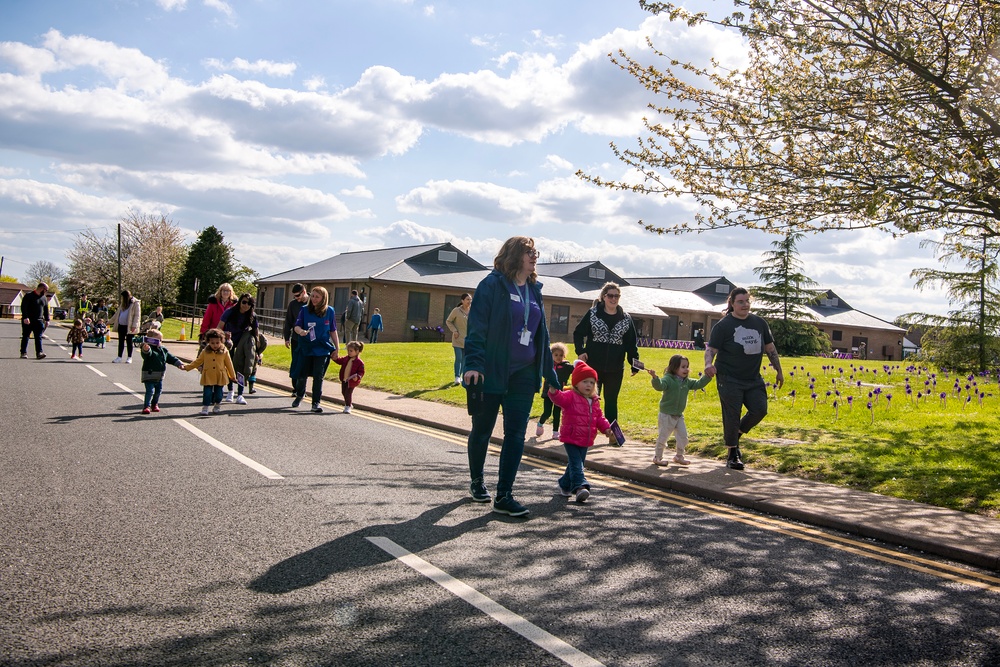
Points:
x=458, y=324
x=374, y=326
x=34, y=319
x=506, y=357
x=300, y=297
x=129, y=313
x=218, y=303
x=353, y=312
x=605, y=338
x=736, y=347
x=242, y=331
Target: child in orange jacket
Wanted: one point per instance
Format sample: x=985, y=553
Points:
x=582, y=418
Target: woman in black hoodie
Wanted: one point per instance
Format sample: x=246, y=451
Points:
x=604, y=338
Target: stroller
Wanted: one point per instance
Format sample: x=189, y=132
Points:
x=98, y=333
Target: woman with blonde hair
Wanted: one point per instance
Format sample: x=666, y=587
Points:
x=316, y=327
x=506, y=356
x=218, y=303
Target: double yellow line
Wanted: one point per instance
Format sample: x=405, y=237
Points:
x=857, y=547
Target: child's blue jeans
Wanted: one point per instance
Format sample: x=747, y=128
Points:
x=573, y=478
x=153, y=390
x=211, y=394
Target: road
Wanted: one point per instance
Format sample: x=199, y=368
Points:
x=266, y=536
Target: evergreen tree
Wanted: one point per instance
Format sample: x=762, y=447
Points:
x=966, y=338
x=210, y=260
x=783, y=297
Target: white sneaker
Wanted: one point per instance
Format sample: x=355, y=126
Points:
x=229, y=396
x=116, y=360
x=458, y=379
x=347, y=409
x=240, y=400
x=204, y=411
x=129, y=360
x=216, y=409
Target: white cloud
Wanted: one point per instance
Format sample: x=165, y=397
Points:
x=171, y=5
x=257, y=67
x=314, y=83
x=359, y=191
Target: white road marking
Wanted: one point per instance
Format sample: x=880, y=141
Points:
x=495, y=610
x=96, y=371
x=225, y=449
x=141, y=397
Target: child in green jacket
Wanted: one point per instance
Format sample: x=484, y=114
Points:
x=155, y=358
x=675, y=386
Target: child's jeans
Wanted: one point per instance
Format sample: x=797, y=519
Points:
x=153, y=390
x=573, y=478
x=211, y=394
x=77, y=349
x=550, y=409
x=671, y=424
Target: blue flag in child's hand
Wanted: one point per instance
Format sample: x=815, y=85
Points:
x=240, y=380
x=616, y=433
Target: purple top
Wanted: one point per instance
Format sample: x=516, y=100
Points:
x=522, y=355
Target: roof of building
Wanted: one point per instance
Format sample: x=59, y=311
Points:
x=444, y=265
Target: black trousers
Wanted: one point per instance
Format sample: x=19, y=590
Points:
x=36, y=328
x=734, y=395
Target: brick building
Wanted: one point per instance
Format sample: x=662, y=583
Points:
x=416, y=287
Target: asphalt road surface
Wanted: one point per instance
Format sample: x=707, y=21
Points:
x=266, y=536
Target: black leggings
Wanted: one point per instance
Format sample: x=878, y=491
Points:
x=609, y=383
x=550, y=409
x=124, y=339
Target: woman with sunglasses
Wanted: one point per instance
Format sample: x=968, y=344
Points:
x=506, y=356
x=604, y=338
x=242, y=332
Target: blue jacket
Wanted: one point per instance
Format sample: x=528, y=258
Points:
x=323, y=326
x=487, y=344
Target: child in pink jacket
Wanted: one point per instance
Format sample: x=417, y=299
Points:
x=581, y=420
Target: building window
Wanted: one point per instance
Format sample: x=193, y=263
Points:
x=721, y=288
x=418, y=306
x=559, y=321
x=596, y=273
x=278, y=302
x=837, y=335
x=340, y=296
x=447, y=256
x=668, y=330
x=451, y=302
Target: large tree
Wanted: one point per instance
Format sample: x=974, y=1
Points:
x=847, y=114
x=152, y=255
x=966, y=338
x=783, y=296
x=45, y=272
x=210, y=261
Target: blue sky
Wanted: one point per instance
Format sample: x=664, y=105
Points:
x=304, y=129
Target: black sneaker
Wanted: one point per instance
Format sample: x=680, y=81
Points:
x=41, y=356
x=507, y=505
x=316, y=408
x=582, y=494
x=478, y=491
x=24, y=356
x=296, y=401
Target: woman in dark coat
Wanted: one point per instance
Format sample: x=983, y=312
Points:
x=604, y=338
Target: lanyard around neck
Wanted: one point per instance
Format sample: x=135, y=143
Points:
x=525, y=301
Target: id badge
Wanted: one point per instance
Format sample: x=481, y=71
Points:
x=525, y=337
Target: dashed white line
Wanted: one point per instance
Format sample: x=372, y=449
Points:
x=226, y=449
x=141, y=397
x=96, y=371
x=520, y=625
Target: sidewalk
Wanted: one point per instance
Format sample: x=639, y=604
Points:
x=968, y=538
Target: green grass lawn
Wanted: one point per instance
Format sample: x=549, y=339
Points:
x=939, y=451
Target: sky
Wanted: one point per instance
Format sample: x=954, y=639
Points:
x=305, y=129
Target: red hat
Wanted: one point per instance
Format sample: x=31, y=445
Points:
x=581, y=371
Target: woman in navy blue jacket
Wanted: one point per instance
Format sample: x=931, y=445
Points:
x=506, y=356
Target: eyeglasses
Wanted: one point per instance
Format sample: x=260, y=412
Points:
x=533, y=254
x=612, y=296
x=244, y=303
